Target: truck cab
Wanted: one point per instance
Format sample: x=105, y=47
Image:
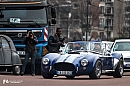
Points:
x=18, y=16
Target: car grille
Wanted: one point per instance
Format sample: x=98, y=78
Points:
x=64, y=66
x=127, y=59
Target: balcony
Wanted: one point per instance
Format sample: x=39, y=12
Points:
x=108, y=27
x=109, y=14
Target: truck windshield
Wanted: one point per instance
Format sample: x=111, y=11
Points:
x=24, y=15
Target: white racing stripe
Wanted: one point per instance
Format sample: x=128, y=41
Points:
x=71, y=58
x=63, y=58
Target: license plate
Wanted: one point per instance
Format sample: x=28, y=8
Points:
x=64, y=72
x=21, y=52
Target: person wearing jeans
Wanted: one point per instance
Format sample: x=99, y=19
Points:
x=33, y=57
x=30, y=51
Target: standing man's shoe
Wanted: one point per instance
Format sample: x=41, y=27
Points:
x=33, y=74
x=22, y=73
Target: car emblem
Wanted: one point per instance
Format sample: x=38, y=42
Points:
x=19, y=35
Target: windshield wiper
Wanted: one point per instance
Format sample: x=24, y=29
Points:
x=8, y=24
x=35, y=23
x=12, y=24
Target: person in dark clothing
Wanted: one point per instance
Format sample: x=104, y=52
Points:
x=30, y=51
x=76, y=46
x=56, y=41
x=97, y=47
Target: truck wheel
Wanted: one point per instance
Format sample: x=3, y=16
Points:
x=119, y=70
x=46, y=76
x=97, y=70
x=16, y=70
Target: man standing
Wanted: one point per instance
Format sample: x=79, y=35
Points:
x=55, y=41
x=30, y=51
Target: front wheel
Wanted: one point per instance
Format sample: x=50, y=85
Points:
x=119, y=70
x=46, y=75
x=97, y=70
x=16, y=70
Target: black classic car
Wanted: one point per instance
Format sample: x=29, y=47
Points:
x=9, y=59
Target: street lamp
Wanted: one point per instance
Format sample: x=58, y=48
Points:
x=69, y=16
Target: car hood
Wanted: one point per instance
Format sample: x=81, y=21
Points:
x=70, y=58
x=125, y=54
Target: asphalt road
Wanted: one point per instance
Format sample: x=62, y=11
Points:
x=8, y=79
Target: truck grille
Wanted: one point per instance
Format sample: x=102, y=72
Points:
x=18, y=36
x=64, y=66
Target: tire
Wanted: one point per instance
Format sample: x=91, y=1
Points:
x=16, y=70
x=97, y=70
x=46, y=76
x=119, y=70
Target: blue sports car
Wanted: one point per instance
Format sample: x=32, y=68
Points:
x=82, y=58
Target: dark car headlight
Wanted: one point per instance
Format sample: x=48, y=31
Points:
x=45, y=61
x=84, y=62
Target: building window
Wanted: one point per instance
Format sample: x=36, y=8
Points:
x=127, y=9
x=102, y=0
x=108, y=9
x=102, y=10
x=110, y=22
x=101, y=24
x=109, y=0
x=128, y=2
x=102, y=35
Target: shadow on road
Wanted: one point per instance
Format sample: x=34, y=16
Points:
x=79, y=78
x=6, y=73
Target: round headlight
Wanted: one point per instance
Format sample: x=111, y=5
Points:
x=84, y=62
x=45, y=61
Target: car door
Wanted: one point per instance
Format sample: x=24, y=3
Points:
x=6, y=51
x=1, y=53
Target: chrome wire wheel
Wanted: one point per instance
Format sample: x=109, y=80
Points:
x=118, y=73
x=98, y=70
x=121, y=68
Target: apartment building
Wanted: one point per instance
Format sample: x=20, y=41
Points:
x=109, y=18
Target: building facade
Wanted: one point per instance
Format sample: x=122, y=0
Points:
x=108, y=18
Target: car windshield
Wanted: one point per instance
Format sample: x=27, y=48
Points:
x=24, y=15
x=122, y=46
x=85, y=46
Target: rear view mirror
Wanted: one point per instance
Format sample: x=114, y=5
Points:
x=53, y=21
x=53, y=12
x=1, y=14
x=108, y=50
